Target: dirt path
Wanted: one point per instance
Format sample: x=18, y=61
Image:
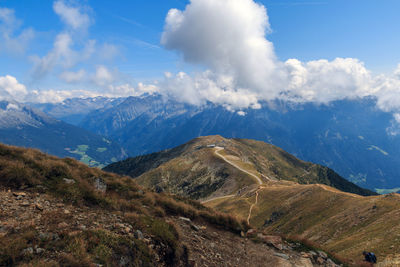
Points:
x=252, y=205
x=215, y=198
x=217, y=149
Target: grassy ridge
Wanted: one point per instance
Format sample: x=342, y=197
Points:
x=42, y=174
x=342, y=223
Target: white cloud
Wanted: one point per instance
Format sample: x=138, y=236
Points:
x=229, y=38
x=61, y=54
x=54, y=96
x=71, y=46
x=206, y=86
x=73, y=16
x=103, y=76
x=10, y=40
x=397, y=72
x=323, y=81
x=73, y=77
x=11, y=89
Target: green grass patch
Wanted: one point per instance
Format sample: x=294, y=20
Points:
x=387, y=190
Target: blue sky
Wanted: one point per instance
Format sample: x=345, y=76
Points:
x=307, y=30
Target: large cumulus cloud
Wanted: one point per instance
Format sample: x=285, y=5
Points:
x=11, y=89
x=228, y=37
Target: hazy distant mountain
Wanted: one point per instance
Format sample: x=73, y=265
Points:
x=351, y=137
x=148, y=113
x=73, y=110
x=21, y=125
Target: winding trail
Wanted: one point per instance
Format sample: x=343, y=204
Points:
x=217, y=149
x=252, y=206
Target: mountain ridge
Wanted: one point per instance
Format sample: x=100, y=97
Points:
x=22, y=125
x=249, y=149
x=340, y=222
x=60, y=212
x=334, y=134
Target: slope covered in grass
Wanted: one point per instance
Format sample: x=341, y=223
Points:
x=193, y=163
x=296, y=199
x=61, y=212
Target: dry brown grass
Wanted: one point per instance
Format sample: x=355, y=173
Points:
x=145, y=210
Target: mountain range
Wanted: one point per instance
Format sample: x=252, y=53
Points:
x=353, y=137
x=25, y=126
x=73, y=110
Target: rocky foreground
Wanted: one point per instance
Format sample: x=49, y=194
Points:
x=59, y=212
x=48, y=226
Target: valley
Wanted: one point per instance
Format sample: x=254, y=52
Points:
x=24, y=126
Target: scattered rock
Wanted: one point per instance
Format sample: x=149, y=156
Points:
x=100, y=185
x=19, y=194
x=56, y=237
x=330, y=263
x=124, y=261
x=69, y=181
x=185, y=219
x=139, y=234
x=305, y=255
x=251, y=233
x=25, y=203
x=320, y=260
x=322, y=254
x=275, y=241
x=38, y=206
x=195, y=227
x=27, y=251
x=313, y=253
x=44, y=236
x=282, y=255
x=39, y=250
x=67, y=212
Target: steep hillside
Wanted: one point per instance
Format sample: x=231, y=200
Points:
x=21, y=125
x=341, y=223
x=59, y=212
x=275, y=192
x=352, y=137
x=198, y=171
